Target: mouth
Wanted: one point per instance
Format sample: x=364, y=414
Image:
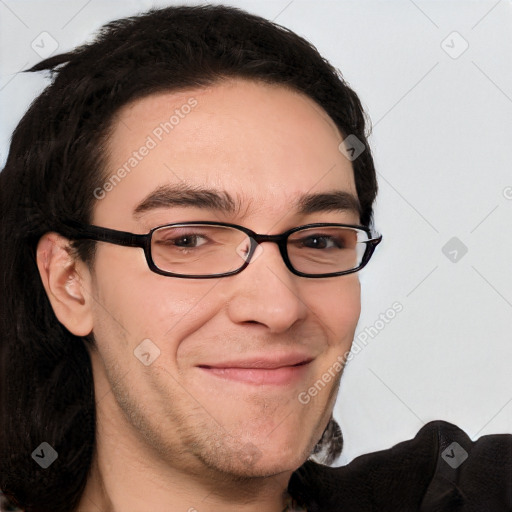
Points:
x=258, y=371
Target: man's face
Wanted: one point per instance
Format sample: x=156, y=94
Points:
x=206, y=400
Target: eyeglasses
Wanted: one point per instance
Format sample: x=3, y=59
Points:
x=203, y=250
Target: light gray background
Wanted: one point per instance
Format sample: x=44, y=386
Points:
x=442, y=134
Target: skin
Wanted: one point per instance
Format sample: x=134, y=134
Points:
x=172, y=434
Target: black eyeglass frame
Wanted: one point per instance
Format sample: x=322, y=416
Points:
x=124, y=238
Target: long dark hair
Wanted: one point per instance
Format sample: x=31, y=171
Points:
x=56, y=161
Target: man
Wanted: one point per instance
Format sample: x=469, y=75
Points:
x=184, y=213
x=203, y=115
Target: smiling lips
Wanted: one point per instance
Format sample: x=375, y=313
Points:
x=262, y=370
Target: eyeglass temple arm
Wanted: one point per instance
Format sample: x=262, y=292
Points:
x=99, y=234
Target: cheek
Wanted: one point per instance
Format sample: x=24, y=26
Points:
x=338, y=305
x=138, y=304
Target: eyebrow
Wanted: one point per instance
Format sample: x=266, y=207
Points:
x=168, y=196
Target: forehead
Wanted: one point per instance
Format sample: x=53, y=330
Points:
x=263, y=145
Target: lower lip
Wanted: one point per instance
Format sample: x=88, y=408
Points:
x=260, y=376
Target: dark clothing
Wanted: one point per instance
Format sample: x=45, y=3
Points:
x=425, y=474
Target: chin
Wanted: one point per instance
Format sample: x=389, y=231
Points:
x=248, y=461
x=240, y=471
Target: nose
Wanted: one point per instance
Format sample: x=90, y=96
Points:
x=266, y=292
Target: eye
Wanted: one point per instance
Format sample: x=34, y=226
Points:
x=188, y=241
x=181, y=238
x=321, y=242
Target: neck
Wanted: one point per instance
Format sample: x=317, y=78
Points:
x=115, y=485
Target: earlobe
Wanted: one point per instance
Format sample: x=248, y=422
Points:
x=67, y=283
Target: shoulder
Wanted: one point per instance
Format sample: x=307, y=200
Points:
x=440, y=469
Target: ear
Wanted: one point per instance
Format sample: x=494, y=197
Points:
x=67, y=282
